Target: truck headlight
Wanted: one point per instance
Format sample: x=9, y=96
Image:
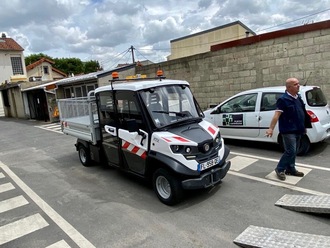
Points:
x=181, y=149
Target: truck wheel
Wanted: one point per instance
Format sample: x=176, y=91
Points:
x=304, y=146
x=167, y=188
x=84, y=156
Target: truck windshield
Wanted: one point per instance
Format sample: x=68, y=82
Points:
x=170, y=104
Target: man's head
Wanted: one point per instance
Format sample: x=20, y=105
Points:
x=292, y=86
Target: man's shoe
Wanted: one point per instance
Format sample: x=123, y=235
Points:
x=296, y=173
x=280, y=175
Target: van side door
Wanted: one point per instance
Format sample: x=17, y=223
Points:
x=238, y=118
x=267, y=110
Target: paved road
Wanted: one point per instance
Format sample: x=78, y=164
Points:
x=53, y=200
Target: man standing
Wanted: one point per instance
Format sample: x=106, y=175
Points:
x=293, y=120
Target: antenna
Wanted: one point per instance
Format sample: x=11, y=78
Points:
x=308, y=78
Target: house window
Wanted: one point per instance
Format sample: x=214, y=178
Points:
x=46, y=70
x=16, y=64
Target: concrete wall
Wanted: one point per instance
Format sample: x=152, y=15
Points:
x=215, y=76
x=16, y=108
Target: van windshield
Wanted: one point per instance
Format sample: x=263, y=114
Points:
x=170, y=104
x=315, y=97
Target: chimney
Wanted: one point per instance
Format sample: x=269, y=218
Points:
x=247, y=33
x=3, y=35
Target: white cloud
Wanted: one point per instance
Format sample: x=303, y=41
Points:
x=105, y=29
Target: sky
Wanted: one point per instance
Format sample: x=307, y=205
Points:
x=105, y=30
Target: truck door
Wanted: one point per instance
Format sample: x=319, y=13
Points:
x=108, y=126
x=132, y=135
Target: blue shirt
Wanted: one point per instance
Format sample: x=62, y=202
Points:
x=292, y=119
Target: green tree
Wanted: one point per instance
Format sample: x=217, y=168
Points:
x=91, y=66
x=67, y=65
x=35, y=57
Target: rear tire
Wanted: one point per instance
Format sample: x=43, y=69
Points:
x=167, y=187
x=84, y=156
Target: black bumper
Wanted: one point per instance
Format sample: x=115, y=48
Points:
x=208, y=179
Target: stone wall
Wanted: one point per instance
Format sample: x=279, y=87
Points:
x=215, y=76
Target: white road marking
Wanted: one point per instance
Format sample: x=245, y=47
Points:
x=21, y=227
x=12, y=203
x=289, y=179
x=55, y=127
x=2, y=175
x=276, y=161
x=80, y=240
x=6, y=186
x=238, y=162
x=280, y=184
x=59, y=244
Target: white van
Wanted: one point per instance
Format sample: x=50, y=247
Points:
x=247, y=115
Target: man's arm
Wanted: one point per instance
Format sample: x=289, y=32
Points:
x=269, y=131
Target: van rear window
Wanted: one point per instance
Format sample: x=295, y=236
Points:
x=315, y=97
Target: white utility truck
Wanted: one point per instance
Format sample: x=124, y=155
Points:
x=152, y=128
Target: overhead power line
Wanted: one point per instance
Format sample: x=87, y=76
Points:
x=296, y=19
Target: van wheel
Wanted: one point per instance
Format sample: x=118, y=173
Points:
x=84, y=155
x=304, y=146
x=167, y=188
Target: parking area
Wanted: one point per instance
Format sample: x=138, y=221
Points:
x=111, y=209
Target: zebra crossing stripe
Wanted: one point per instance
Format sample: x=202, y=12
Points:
x=12, y=203
x=21, y=228
x=6, y=187
x=2, y=175
x=59, y=244
x=79, y=239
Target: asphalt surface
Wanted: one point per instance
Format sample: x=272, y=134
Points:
x=76, y=206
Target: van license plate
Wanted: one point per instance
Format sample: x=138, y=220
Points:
x=208, y=164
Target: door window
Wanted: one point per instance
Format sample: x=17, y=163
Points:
x=243, y=103
x=268, y=101
x=129, y=110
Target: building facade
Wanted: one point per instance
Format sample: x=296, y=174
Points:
x=12, y=72
x=201, y=42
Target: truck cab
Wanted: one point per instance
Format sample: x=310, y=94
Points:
x=154, y=129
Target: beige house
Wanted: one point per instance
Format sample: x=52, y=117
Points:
x=39, y=93
x=12, y=73
x=43, y=70
x=202, y=41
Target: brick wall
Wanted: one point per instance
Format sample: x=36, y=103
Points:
x=215, y=76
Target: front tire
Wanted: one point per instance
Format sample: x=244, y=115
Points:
x=167, y=187
x=84, y=156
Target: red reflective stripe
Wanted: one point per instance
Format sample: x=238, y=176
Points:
x=144, y=155
x=167, y=140
x=135, y=149
x=125, y=145
x=211, y=130
x=180, y=139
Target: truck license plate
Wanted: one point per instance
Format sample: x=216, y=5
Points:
x=208, y=164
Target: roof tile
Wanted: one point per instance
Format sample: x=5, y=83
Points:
x=8, y=44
